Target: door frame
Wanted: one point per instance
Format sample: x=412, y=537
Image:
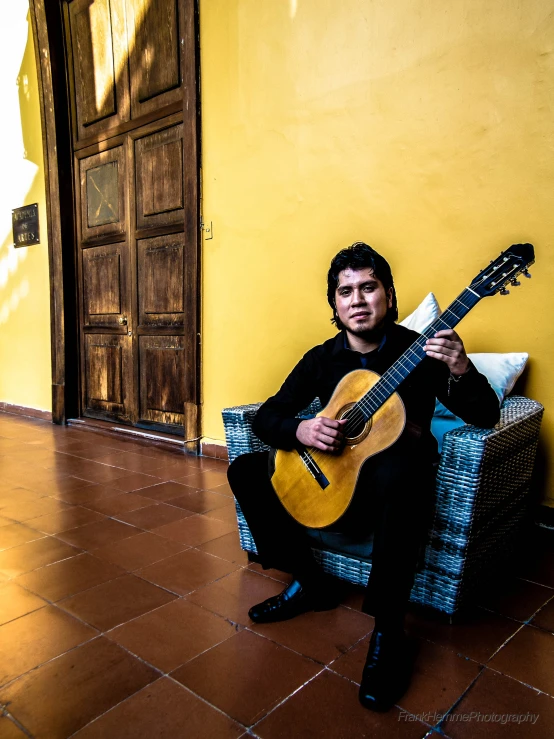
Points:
x=47, y=24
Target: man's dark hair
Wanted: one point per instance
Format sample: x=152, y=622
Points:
x=360, y=256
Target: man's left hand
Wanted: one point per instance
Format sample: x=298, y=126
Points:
x=447, y=346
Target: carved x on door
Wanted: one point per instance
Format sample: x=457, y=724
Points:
x=132, y=76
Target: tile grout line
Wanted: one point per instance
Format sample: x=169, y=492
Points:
x=159, y=672
x=527, y=621
x=277, y=705
x=353, y=646
x=396, y=705
x=509, y=639
x=439, y=725
x=294, y=651
x=161, y=675
x=521, y=682
x=117, y=491
x=534, y=582
x=126, y=472
x=238, y=626
x=47, y=661
x=56, y=603
x=64, y=559
x=204, y=700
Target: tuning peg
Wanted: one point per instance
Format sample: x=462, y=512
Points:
x=504, y=292
x=515, y=283
x=526, y=274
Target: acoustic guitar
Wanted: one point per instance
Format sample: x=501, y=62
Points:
x=316, y=487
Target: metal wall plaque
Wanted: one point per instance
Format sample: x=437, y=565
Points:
x=25, y=225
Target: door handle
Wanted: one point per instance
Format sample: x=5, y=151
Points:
x=122, y=320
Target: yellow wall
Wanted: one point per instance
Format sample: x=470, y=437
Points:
x=25, y=375
x=422, y=127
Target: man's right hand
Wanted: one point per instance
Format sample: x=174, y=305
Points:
x=321, y=433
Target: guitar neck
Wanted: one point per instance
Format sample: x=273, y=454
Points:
x=397, y=373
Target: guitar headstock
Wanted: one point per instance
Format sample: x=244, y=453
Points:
x=504, y=270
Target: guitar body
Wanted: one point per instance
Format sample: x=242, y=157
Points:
x=300, y=492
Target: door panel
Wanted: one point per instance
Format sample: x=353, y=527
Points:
x=159, y=180
x=105, y=287
x=102, y=189
x=154, y=54
x=162, y=374
x=99, y=64
x=161, y=281
x=108, y=376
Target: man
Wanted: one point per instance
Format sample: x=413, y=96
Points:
x=394, y=488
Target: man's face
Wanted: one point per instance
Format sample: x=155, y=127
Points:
x=361, y=301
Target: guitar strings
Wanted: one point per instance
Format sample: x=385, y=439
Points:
x=407, y=362
x=308, y=458
x=377, y=395
x=360, y=413
x=383, y=388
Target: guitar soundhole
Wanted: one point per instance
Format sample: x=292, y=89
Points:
x=357, y=428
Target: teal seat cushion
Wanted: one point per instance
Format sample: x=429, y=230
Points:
x=440, y=425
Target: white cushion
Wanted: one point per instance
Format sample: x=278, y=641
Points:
x=424, y=315
x=501, y=370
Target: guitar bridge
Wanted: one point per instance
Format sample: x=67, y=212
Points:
x=314, y=469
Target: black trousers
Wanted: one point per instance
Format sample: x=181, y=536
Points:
x=392, y=501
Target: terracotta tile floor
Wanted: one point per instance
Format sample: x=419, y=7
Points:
x=124, y=599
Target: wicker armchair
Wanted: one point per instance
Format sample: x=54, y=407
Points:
x=482, y=496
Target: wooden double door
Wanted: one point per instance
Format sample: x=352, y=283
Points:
x=132, y=82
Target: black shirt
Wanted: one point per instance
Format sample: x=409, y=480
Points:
x=321, y=368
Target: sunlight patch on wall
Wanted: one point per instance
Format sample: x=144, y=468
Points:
x=10, y=263
x=10, y=304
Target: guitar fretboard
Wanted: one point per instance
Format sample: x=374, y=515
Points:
x=397, y=373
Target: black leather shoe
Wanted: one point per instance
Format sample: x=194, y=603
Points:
x=387, y=671
x=293, y=601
